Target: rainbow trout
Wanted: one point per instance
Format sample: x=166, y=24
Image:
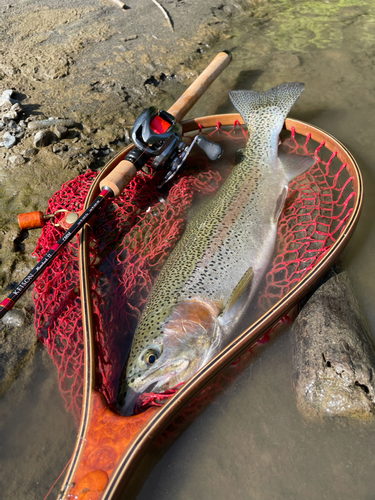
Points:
x=211, y=276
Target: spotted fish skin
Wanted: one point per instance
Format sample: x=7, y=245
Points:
x=190, y=314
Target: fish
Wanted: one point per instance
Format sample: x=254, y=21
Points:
x=212, y=274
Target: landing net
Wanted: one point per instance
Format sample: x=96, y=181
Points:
x=135, y=233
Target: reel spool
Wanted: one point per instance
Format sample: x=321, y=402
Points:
x=156, y=134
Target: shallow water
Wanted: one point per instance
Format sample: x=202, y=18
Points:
x=250, y=442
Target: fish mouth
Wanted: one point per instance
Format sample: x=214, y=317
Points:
x=156, y=381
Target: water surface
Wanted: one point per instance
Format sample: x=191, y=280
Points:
x=251, y=442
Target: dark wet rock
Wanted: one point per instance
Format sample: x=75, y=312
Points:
x=61, y=131
x=45, y=124
x=17, y=160
x=333, y=355
x=43, y=138
x=9, y=140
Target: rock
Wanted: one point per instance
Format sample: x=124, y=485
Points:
x=28, y=153
x=10, y=115
x=43, y=138
x=5, y=99
x=61, y=131
x=59, y=148
x=9, y=140
x=333, y=355
x=17, y=108
x=44, y=124
x=14, y=317
x=17, y=160
x=127, y=135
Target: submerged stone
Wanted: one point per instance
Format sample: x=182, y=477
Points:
x=333, y=355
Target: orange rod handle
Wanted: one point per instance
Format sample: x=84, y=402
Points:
x=125, y=171
x=200, y=85
x=120, y=177
x=31, y=220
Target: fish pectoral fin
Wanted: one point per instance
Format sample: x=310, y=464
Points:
x=280, y=204
x=294, y=164
x=238, y=298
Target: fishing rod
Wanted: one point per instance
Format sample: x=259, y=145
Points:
x=157, y=137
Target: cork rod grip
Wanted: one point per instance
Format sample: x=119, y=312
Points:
x=125, y=171
x=120, y=177
x=200, y=85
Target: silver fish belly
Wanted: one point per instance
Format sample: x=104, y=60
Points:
x=214, y=271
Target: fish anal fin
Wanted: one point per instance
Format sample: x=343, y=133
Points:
x=295, y=164
x=238, y=297
x=280, y=204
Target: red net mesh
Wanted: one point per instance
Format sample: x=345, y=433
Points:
x=135, y=233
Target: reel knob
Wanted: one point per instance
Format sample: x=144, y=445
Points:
x=212, y=150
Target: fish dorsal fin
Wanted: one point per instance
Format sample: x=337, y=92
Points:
x=294, y=164
x=280, y=204
x=238, y=298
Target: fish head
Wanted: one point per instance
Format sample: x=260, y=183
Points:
x=189, y=337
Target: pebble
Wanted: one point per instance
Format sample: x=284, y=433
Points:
x=30, y=152
x=61, y=131
x=44, y=124
x=10, y=115
x=9, y=140
x=17, y=160
x=43, y=138
x=15, y=317
x=5, y=97
x=17, y=108
x=59, y=148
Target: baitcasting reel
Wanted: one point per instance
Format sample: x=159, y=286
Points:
x=156, y=135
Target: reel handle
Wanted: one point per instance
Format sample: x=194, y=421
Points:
x=125, y=171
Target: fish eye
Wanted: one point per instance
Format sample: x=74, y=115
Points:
x=149, y=356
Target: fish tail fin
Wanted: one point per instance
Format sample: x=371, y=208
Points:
x=253, y=106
